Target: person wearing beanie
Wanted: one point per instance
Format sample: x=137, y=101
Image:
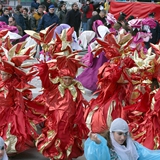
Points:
x=48, y=19
x=47, y=3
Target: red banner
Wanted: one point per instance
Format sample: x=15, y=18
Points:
x=137, y=9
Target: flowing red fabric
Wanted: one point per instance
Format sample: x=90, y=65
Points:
x=14, y=121
x=137, y=9
x=65, y=120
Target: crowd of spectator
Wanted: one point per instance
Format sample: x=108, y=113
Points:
x=44, y=14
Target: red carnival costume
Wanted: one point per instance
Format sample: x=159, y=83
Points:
x=16, y=128
x=64, y=128
x=125, y=91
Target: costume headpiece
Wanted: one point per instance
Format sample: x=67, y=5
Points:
x=68, y=65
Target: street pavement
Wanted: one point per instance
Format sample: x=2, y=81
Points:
x=33, y=154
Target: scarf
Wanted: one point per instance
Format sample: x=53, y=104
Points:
x=129, y=151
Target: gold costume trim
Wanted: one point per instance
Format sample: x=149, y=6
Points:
x=57, y=144
x=5, y=91
x=10, y=141
x=140, y=134
x=89, y=117
x=50, y=134
x=71, y=88
x=69, y=150
x=156, y=142
x=109, y=116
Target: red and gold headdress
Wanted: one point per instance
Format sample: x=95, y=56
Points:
x=13, y=57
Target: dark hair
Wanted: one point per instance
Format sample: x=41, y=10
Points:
x=41, y=6
x=151, y=14
x=134, y=32
x=154, y=84
x=32, y=9
x=130, y=18
x=18, y=7
x=117, y=26
x=13, y=18
x=26, y=9
x=74, y=4
x=121, y=18
x=5, y=9
x=103, y=11
x=106, y=135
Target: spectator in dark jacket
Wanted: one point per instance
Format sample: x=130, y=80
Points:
x=5, y=16
x=87, y=10
x=48, y=19
x=155, y=33
x=12, y=22
x=98, y=6
x=35, y=4
x=101, y=16
x=19, y=17
x=62, y=13
x=73, y=18
x=26, y=18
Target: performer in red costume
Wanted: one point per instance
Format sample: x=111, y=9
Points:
x=64, y=128
x=15, y=126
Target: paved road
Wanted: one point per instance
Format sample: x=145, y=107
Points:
x=32, y=154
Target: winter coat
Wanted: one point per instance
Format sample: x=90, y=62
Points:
x=62, y=16
x=4, y=18
x=94, y=18
x=19, y=20
x=73, y=19
x=35, y=18
x=47, y=20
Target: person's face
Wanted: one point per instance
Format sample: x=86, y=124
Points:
x=51, y=10
x=67, y=80
x=11, y=22
x=48, y=1
x=1, y=6
x=75, y=7
x=1, y=152
x=102, y=15
x=40, y=10
x=25, y=12
x=63, y=8
x=6, y=12
x=120, y=137
x=87, y=2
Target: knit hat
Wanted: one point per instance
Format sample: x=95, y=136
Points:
x=51, y=6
